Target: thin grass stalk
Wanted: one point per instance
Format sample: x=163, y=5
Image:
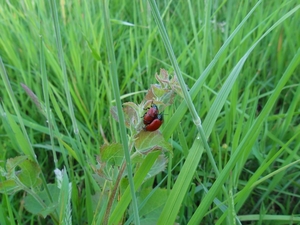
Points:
x=116, y=90
x=76, y=146
x=46, y=99
x=62, y=64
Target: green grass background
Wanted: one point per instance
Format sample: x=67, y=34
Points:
x=247, y=98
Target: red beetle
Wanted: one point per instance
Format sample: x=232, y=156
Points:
x=155, y=124
x=151, y=114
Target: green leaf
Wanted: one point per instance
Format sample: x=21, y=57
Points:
x=12, y=163
x=30, y=172
x=9, y=187
x=150, y=141
x=34, y=207
x=159, y=166
x=28, y=175
x=112, y=154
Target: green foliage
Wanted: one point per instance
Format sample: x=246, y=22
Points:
x=36, y=208
x=26, y=177
x=227, y=151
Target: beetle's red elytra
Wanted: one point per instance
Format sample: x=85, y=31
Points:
x=155, y=124
x=151, y=114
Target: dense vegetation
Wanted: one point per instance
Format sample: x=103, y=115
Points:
x=66, y=67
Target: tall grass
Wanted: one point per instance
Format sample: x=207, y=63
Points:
x=240, y=65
